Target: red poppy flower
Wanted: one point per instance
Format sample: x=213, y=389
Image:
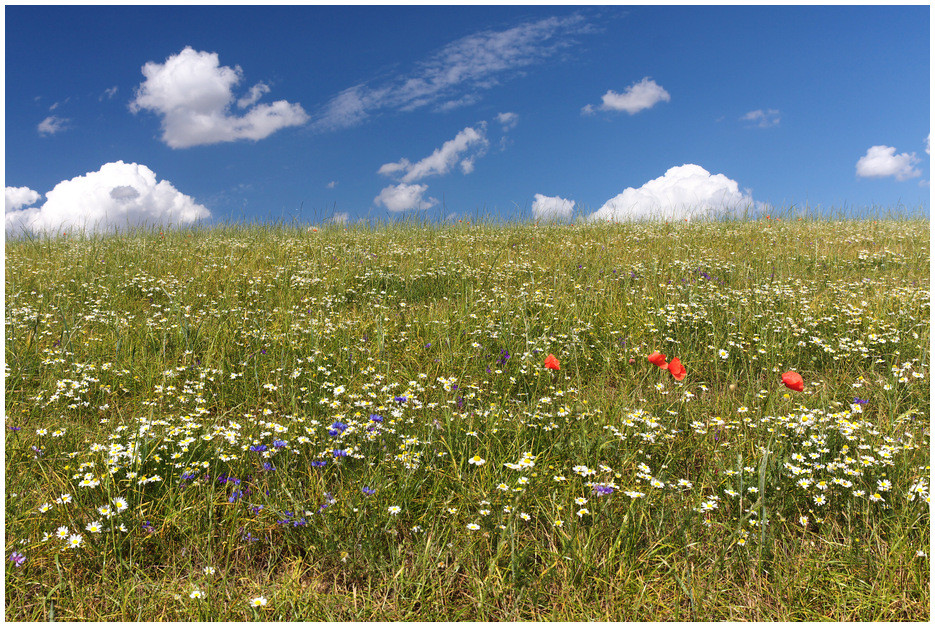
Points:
x=551, y=362
x=793, y=381
x=658, y=359
x=677, y=369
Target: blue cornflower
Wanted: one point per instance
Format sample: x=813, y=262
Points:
x=603, y=490
x=337, y=428
x=259, y=448
x=279, y=444
x=319, y=464
x=400, y=399
x=368, y=491
x=340, y=453
x=268, y=467
x=17, y=558
x=376, y=418
x=235, y=496
x=860, y=401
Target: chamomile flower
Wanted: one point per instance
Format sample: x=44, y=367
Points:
x=258, y=602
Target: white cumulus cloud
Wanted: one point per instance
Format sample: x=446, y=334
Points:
x=193, y=93
x=466, y=147
x=551, y=207
x=686, y=191
x=404, y=197
x=635, y=98
x=118, y=195
x=881, y=161
x=19, y=197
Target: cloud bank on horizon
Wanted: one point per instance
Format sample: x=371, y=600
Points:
x=119, y=195
x=686, y=192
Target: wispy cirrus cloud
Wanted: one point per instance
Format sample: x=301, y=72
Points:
x=761, y=118
x=457, y=74
x=52, y=125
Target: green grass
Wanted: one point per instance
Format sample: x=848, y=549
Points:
x=198, y=375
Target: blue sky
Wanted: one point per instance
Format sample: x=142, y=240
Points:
x=120, y=115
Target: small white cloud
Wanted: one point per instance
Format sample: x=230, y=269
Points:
x=52, y=125
x=118, y=195
x=927, y=143
x=256, y=92
x=882, y=161
x=551, y=207
x=332, y=184
x=508, y=120
x=635, y=98
x=192, y=93
x=404, y=197
x=391, y=169
x=470, y=140
x=18, y=197
x=341, y=217
x=763, y=119
x=109, y=93
x=687, y=191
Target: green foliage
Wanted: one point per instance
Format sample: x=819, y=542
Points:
x=357, y=424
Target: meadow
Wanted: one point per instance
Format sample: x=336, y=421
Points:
x=468, y=422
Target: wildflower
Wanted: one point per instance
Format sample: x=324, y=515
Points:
x=793, y=381
x=875, y=497
x=196, y=594
x=677, y=369
x=62, y=532
x=633, y=494
x=551, y=362
x=258, y=602
x=658, y=359
x=723, y=353
x=603, y=490
x=368, y=491
x=477, y=460
x=558, y=523
x=94, y=527
x=210, y=570
x=473, y=526
x=524, y=516
x=394, y=509
x=45, y=507
x=820, y=499
x=74, y=541
x=582, y=512
x=17, y=558
x=581, y=500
